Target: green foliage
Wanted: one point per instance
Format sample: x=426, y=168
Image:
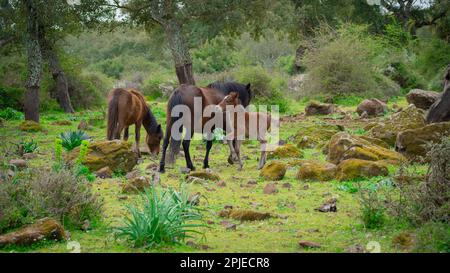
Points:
x=346, y=62
x=396, y=35
x=213, y=56
x=10, y=114
x=433, y=237
x=111, y=67
x=166, y=217
x=11, y=97
x=287, y=64
x=59, y=194
x=29, y=146
x=72, y=139
x=372, y=210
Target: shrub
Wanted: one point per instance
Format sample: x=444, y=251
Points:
x=10, y=114
x=433, y=238
x=344, y=61
x=28, y=146
x=372, y=210
x=287, y=64
x=213, y=56
x=11, y=97
x=72, y=139
x=167, y=217
x=59, y=194
x=259, y=79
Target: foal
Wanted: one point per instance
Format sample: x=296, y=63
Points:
x=240, y=129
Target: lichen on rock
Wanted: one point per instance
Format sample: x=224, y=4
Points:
x=316, y=171
x=357, y=168
x=274, y=171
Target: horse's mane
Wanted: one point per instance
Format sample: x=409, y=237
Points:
x=227, y=87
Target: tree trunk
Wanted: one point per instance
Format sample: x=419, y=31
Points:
x=62, y=86
x=299, y=53
x=31, y=102
x=180, y=52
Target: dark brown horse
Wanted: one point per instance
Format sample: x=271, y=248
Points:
x=128, y=107
x=185, y=96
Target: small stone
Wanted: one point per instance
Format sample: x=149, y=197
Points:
x=210, y=222
x=329, y=206
x=270, y=188
x=287, y=186
x=252, y=182
x=104, y=173
x=228, y=225
x=307, y=244
x=86, y=225
x=18, y=163
x=122, y=197
x=133, y=174
x=228, y=207
x=356, y=249
x=185, y=170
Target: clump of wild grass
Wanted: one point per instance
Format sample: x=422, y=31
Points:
x=165, y=217
x=73, y=139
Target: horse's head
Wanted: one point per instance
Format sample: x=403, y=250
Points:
x=153, y=140
x=231, y=99
x=447, y=78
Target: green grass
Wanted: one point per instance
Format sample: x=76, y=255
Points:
x=336, y=231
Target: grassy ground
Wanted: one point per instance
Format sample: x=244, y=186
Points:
x=336, y=232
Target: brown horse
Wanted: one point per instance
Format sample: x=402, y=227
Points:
x=127, y=107
x=240, y=129
x=185, y=96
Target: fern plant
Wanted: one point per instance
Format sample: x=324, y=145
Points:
x=166, y=217
x=72, y=139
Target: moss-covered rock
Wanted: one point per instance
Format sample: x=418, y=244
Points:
x=62, y=123
x=375, y=141
x=314, y=134
x=317, y=108
x=371, y=107
x=30, y=126
x=409, y=118
x=136, y=185
x=345, y=146
x=286, y=151
x=274, y=171
x=117, y=155
x=44, y=229
x=204, y=174
x=244, y=215
x=316, y=171
x=357, y=168
x=412, y=143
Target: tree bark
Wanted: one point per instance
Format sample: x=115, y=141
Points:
x=62, y=86
x=31, y=102
x=180, y=52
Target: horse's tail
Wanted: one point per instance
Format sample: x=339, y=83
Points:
x=113, y=114
x=175, y=143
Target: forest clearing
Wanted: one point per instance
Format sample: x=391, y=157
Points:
x=362, y=161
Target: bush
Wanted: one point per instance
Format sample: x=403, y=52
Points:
x=213, y=56
x=11, y=97
x=167, y=217
x=433, y=238
x=28, y=146
x=10, y=114
x=72, y=139
x=287, y=64
x=372, y=209
x=344, y=62
x=111, y=67
x=59, y=194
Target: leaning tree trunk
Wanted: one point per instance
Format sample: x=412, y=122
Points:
x=31, y=102
x=180, y=52
x=62, y=86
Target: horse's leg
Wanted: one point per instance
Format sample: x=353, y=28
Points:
x=238, y=153
x=162, y=163
x=138, y=137
x=233, y=155
x=262, y=160
x=118, y=130
x=209, y=144
x=126, y=133
x=187, y=156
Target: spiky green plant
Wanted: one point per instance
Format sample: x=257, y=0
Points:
x=166, y=217
x=73, y=139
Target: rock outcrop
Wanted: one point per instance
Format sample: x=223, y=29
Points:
x=312, y=135
x=371, y=108
x=413, y=143
x=344, y=146
x=274, y=171
x=409, y=118
x=422, y=99
x=286, y=151
x=316, y=108
x=117, y=155
x=44, y=229
x=316, y=171
x=357, y=168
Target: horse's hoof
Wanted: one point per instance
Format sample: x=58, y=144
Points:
x=230, y=161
